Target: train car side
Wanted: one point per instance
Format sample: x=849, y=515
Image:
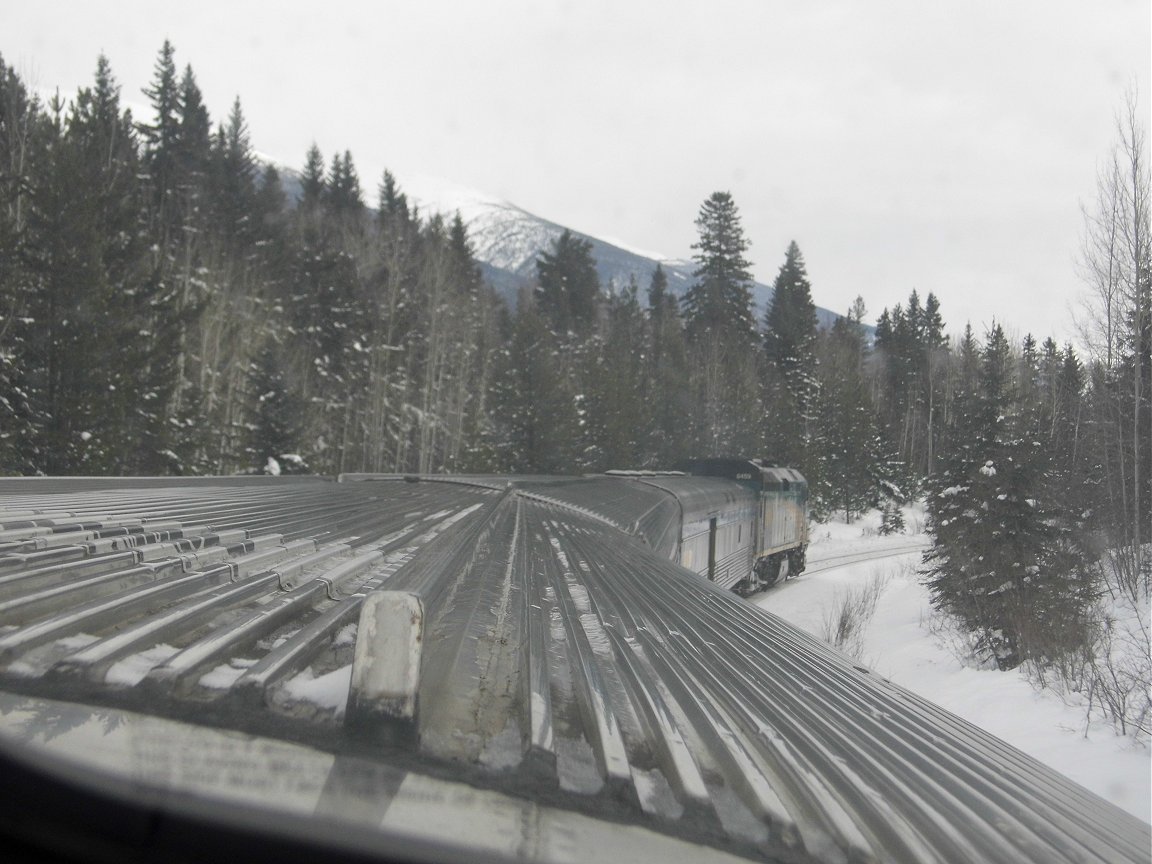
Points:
x=717, y=526
x=743, y=525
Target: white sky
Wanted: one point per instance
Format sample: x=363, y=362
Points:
x=943, y=146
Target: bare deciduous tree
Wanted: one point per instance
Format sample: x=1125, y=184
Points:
x=1117, y=265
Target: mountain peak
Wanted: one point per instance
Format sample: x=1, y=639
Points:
x=507, y=240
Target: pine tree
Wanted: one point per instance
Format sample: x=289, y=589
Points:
x=275, y=430
x=846, y=464
x=20, y=121
x=719, y=303
x=106, y=357
x=535, y=404
x=393, y=204
x=162, y=140
x=236, y=212
x=912, y=357
x=789, y=379
x=614, y=391
x=1007, y=561
x=790, y=321
x=312, y=182
x=343, y=186
x=668, y=401
x=568, y=288
x=720, y=330
x=474, y=350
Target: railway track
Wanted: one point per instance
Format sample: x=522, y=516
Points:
x=831, y=562
x=846, y=559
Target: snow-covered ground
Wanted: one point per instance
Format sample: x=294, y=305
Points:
x=904, y=643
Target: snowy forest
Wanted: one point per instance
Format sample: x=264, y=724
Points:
x=170, y=305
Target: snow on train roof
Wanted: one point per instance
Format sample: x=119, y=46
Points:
x=531, y=640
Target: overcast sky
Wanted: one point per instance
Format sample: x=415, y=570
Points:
x=942, y=146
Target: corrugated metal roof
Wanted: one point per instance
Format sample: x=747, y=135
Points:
x=526, y=640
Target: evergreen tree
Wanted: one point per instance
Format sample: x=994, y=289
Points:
x=667, y=399
x=393, y=204
x=162, y=139
x=193, y=136
x=312, y=183
x=105, y=362
x=475, y=352
x=912, y=357
x=789, y=380
x=568, y=288
x=790, y=321
x=237, y=217
x=21, y=120
x=720, y=329
x=1006, y=562
x=176, y=147
x=274, y=432
x=615, y=423
x=719, y=303
x=846, y=465
x=344, y=198
x=163, y=310
x=535, y=404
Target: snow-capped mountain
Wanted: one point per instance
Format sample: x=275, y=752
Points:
x=507, y=240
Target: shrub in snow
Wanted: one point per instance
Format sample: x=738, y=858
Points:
x=846, y=621
x=891, y=520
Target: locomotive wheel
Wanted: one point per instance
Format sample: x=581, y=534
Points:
x=749, y=586
x=768, y=569
x=796, y=561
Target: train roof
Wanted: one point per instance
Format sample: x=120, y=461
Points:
x=701, y=497
x=493, y=662
x=758, y=473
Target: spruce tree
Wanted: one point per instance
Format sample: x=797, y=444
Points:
x=21, y=123
x=790, y=321
x=312, y=182
x=162, y=139
x=614, y=423
x=344, y=196
x=535, y=404
x=668, y=401
x=845, y=464
x=1007, y=561
x=106, y=357
x=237, y=218
x=275, y=428
x=392, y=203
x=912, y=358
x=719, y=303
x=720, y=328
x=568, y=288
x=789, y=380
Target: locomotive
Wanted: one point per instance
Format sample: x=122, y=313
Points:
x=742, y=523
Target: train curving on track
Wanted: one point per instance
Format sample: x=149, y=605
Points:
x=483, y=668
x=740, y=523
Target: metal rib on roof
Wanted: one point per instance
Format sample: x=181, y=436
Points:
x=558, y=656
